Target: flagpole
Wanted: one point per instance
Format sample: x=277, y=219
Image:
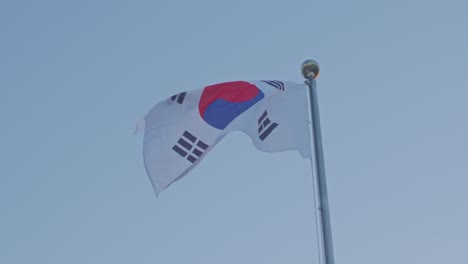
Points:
x=310, y=71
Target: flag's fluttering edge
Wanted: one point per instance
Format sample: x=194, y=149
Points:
x=181, y=130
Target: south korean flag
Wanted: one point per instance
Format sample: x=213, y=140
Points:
x=181, y=130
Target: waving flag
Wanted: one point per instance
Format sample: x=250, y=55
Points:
x=181, y=130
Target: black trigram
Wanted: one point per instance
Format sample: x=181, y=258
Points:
x=179, y=98
x=277, y=84
x=188, y=146
x=265, y=126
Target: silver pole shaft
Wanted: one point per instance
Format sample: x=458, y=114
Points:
x=321, y=180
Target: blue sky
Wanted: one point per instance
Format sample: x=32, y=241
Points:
x=77, y=75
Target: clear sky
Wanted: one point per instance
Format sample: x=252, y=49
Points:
x=76, y=76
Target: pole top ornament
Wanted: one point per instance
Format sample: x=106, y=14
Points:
x=310, y=68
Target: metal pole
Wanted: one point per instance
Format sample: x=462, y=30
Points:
x=310, y=70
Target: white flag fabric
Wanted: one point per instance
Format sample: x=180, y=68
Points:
x=181, y=130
